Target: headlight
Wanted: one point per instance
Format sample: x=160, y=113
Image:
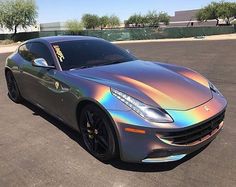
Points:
x=214, y=89
x=147, y=112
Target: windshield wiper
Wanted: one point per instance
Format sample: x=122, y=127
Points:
x=103, y=64
x=81, y=67
x=114, y=62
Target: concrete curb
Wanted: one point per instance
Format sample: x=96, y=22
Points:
x=207, y=38
x=8, y=49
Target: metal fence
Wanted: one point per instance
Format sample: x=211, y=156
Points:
x=132, y=33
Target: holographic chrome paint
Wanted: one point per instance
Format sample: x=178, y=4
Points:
x=103, y=95
x=152, y=83
x=198, y=114
x=195, y=76
x=181, y=92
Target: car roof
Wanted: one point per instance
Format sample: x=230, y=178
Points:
x=53, y=39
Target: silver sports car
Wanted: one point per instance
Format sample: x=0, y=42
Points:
x=139, y=110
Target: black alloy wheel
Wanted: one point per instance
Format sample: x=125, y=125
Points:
x=13, y=90
x=97, y=133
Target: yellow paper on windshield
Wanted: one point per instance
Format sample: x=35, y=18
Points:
x=58, y=52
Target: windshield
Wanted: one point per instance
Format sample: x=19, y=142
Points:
x=89, y=53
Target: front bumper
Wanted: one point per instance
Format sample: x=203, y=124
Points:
x=176, y=152
x=149, y=147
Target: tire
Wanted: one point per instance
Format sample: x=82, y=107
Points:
x=13, y=90
x=97, y=133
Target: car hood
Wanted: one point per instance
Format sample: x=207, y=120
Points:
x=152, y=83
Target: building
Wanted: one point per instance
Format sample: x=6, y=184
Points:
x=188, y=18
x=54, y=26
x=185, y=18
x=33, y=28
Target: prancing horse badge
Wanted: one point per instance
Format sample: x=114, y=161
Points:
x=206, y=108
x=57, y=85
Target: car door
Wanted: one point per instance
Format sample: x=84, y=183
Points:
x=40, y=84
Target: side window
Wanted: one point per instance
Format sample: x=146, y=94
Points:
x=39, y=50
x=24, y=52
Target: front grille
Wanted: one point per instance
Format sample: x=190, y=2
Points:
x=193, y=134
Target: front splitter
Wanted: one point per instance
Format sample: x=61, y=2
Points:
x=164, y=159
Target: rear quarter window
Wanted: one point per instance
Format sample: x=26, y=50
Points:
x=24, y=52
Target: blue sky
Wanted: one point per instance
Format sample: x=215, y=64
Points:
x=62, y=10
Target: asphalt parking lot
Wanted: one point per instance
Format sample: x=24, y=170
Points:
x=37, y=150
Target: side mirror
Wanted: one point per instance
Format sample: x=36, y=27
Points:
x=41, y=62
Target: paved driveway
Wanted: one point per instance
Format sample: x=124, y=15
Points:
x=37, y=150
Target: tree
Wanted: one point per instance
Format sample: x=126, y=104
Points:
x=114, y=21
x=209, y=12
x=164, y=17
x=104, y=21
x=202, y=15
x=227, y=10
x=16, y=13
x=74, y=26
x=215, y=10
x=90, y=21
x=152, y=19
x=137, y=20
